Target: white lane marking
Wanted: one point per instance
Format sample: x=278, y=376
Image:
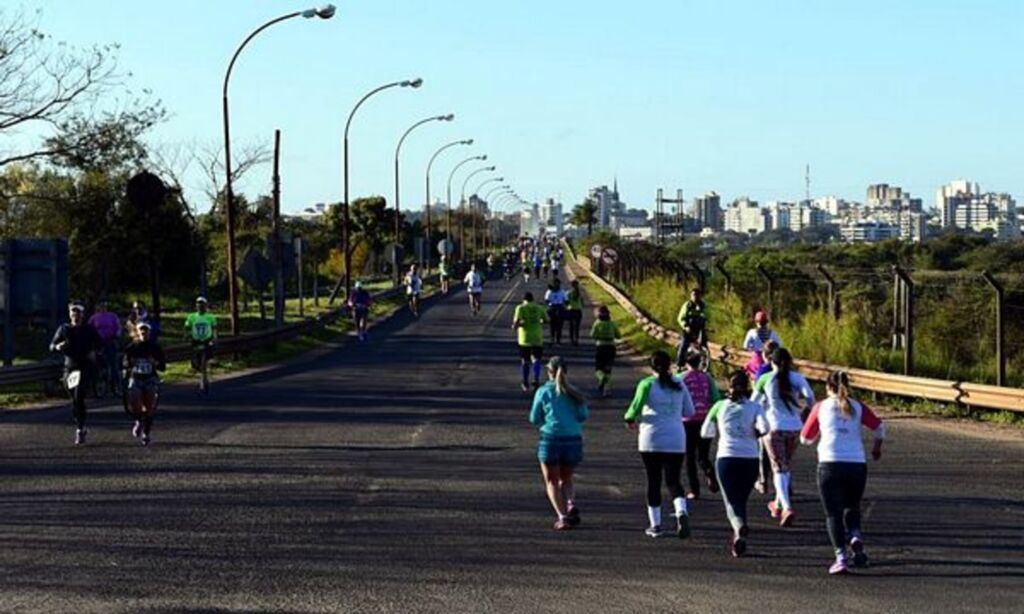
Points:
x=501, y=305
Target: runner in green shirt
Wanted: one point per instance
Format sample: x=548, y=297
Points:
x=444, y=269
x=604, y=333
x=529, y=320
x=574, y=312
x=202, y=330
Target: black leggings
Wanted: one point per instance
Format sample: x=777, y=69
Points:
x=77, y=395
x=574, y=317
x=737, y=477
x=841, y=486
x=669, y=464
x=698, y=450
x=556, y=316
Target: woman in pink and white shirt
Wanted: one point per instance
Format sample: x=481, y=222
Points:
x=842, y=466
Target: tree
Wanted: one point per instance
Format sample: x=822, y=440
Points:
x=585, y=214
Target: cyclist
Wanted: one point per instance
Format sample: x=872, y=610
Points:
x=144, y=358
x=360, y=303
x=528, y=320
x=474, y=288
x=79, y=342
x=201, y=327
x=693, y=320
x=413, y=289
x=444, y=269
x=574, y=311
x=108, y=326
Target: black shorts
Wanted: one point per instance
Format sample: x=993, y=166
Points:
x=526, y=352
x=604, y=358
x=201, y=351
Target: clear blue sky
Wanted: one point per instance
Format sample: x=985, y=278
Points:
x=733, y=96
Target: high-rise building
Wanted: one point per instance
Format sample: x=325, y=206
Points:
x=746, y=217
x=707, y=210
x=952, y=195
x=551, y=216
x=607, y=201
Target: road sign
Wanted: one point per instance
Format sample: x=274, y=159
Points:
x=595, y=250
x=609, y=256
x=445, y=247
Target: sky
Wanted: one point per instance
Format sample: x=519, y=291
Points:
x=735, y=96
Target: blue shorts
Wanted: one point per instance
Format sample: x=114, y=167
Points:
x=552, y=450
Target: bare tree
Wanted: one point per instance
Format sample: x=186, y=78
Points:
x=245, y=157
x=44, y=83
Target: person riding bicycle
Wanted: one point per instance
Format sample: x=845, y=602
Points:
x=693, y=320
x=202, y=331
x=360, y=303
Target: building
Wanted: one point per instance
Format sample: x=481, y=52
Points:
x=950, y=196
x=835, y=207
x=962, y=205
x=608, y=203
x=869, y=232
x=746, y=217
x=530, y=221
x=707, y=210
x=551, y=216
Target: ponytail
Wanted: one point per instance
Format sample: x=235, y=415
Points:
x=839, y=384
x=661, y=363
x=783, y=362
x=560, y=374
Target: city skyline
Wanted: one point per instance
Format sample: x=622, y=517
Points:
x=732, y=99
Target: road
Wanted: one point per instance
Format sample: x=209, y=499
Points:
x=400, y=476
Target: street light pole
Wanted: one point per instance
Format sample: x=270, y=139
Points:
x=429, y=166
x=326, y=12
x=462, y=206
x=346, y=216
x=450, y=177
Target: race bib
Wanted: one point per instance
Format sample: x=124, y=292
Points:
x=74, y=378
x=143, y=367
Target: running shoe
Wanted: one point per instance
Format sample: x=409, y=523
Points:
x=692, y=495
x=145, y=439
x=839, y=567
x=712, y=482
x=860, y=558
x=739, y=546
x=760, y=487
x=653, y=531
x=562, y=524
x=787, y=518
x=572, y=516
x=773, y=509
x=137, y=429
x=80, y=436
x=525, y=387
x=683, y=526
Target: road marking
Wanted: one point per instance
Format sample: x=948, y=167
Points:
x=501, y=304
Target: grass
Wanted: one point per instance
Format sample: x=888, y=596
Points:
x=223, y=365
x=632, y=333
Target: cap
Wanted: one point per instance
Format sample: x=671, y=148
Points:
x=201, y=299
x=761, y=316
x=359, y=285
x=76, y=306
x=143, y=326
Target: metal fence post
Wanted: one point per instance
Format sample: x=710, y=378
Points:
x=833, y=294
x=701, y=277
x=1000, y=327
x=907, y=313
x=725, y=275
x=771, y=288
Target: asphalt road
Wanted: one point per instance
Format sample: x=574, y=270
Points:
x=400, y=476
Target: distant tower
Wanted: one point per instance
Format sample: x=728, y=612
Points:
x=807, y=182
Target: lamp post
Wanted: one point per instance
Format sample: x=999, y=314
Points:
x=495, y=189
x=462, y=207
x=398, y=150
x=325, y=12
x=450, y=177
x=346, y=219
x=429, y=166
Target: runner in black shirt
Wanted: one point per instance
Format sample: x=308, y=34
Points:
x=79, y=342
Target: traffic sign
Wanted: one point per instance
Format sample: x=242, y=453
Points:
x=595, y=250
x=609, y=256
x=445, y=247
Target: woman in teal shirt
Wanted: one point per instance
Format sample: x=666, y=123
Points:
x=559, y=410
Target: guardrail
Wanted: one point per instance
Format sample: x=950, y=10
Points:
x=51, y=371
x=943, y=391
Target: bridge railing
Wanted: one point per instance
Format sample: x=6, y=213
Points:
x=943, y=391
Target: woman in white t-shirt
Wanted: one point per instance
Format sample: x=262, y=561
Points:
x=474, y=288
x=737, y=422
x=413, y=289
x=842, y=467
x=556, y=299
x=659, y=405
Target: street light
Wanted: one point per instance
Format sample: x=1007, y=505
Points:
x=450, y=177
x=462, y=205
x=485, y=182
x=429, y=166
x=324, y=12
x=495, y=189
x=438, y=118
x=347, y=222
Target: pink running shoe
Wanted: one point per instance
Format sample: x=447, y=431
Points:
x=839, y=567
x=773, y=509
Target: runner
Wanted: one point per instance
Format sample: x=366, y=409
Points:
x=660, y=404
x=704, y=393
x=761, y=362
x=490, y=265
x=201, y=327
x=528, y=320
x=474, y=289
x=556, y=299
x=108, y=326
x=526, y=263
x=559, y=409
x=360, y=303
x=556, y=266
x=413, y=289
x=444, y=270
x=780, y=392
x=692, y=319
x=760, y=334
x=144, y=358
x=842, y=467
x=574, y=311
x=604, y=333
x=737, y=422
x=79, y=342
x=538, y=263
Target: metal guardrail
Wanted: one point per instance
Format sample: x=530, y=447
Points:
x=51, y=371
x=943, y=391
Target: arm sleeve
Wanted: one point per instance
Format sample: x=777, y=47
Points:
x=643, y=391
x=709, y=430
x=759, y=394
x=805, y=389
x=537, y=409
x=681, y=318
x=761, y=422
x=716, y=394
x=688, y=409
x=749, y=342
x=188, y=322
x=776, y=339
x=58, y=336
x=809, y=434
x=871, y=420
